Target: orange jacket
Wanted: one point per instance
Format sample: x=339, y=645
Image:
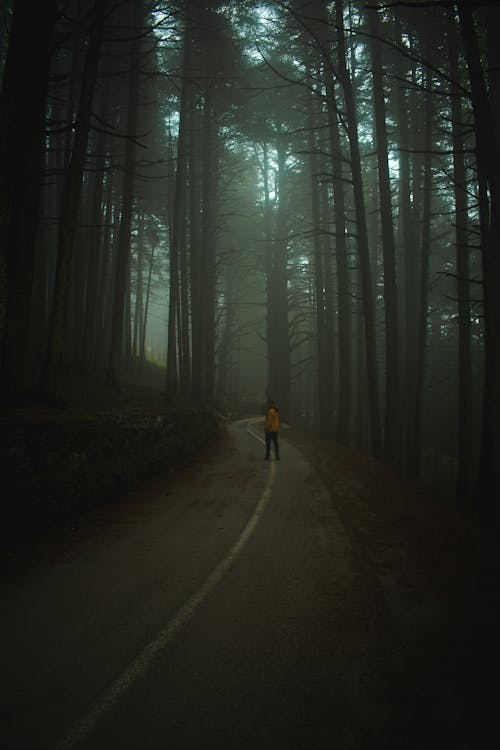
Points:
x=272, y=420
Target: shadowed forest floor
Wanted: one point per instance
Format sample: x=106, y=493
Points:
x=436, y=572
x=97, y=442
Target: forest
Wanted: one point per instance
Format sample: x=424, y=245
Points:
x=295, y=199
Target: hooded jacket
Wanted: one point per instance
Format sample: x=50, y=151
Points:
x=272, y=423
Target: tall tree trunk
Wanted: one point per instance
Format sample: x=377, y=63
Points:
x=319, y=286
x=278, y=341
x=22, y=131
x=116, y=354
x=465, y=472
x=361, y=425
x=139, y=293
x=208, y=271
x=363, y=249
x=421, y=344
x=44, y=269
x=72, y=193
x=411, y=285
x=127, y=320
x=146, y=307
x=316, y=19
x=268, y=256
x=184, y=342
x=95, y=246
x=195, y=250
x=178, y=218
x=330, y=311
x=106, y=278
x=488, y=160
x=226, y=345
x=69, y=108
x=344, y=407
x=78, y=284
x=392, y=365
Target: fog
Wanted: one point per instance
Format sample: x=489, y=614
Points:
x=295, y=200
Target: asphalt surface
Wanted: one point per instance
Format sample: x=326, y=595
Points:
x=200, y=613
x=237, y=603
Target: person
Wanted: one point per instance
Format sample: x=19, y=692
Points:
x=271, y=427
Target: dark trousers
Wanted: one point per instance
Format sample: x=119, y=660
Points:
x=272, y=436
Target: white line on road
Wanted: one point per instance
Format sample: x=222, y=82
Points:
x=253, y=433
x=147, y=656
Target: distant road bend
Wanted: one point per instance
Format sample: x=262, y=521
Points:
x=221, y=606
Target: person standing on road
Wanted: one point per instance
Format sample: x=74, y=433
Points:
x=271, y=428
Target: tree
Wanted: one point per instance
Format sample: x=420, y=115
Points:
x=23, y=102
x=465, y=472
x=488, y=162
x=392, y=363
x=362, y=239
x=55, y=349
x=124, y=237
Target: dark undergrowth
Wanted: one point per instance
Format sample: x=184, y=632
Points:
x=60, y=460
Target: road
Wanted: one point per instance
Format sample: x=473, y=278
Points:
x=218, y=606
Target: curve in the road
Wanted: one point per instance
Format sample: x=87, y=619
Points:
x=165, y=638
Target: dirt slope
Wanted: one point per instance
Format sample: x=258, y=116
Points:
x=428, y=583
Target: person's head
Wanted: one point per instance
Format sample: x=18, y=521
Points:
x=270, y=403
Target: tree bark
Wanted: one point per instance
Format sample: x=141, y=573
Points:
x=22, y=131
x=421, y=344
x=392, y=364
x=139, y=293
x=55, y=349
x=116, y=354
x=319, y=282
x=142, y=354
x=411, y=286
x=330, y=311
x=465, y=471
x=195, y=250
x=278, y=344
x=178, y=218
x=208, y=271
x=362, y=237
x=488, y=161
x=344, y=402
x=95, y=249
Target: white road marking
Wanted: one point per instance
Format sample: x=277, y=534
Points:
x=252, y=432
x=147, y=656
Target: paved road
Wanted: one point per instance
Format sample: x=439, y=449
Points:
x=202, y=612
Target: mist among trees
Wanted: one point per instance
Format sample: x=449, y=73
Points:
x=294, y=199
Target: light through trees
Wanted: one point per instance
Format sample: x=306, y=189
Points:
x=287, y=199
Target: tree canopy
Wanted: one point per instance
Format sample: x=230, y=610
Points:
x=295, y=199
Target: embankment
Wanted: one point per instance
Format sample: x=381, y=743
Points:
x=56, y=464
